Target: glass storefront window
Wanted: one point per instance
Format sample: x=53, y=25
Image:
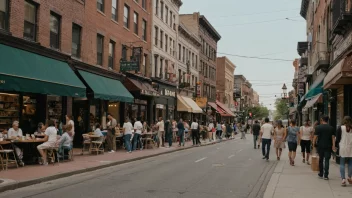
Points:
x=9, y=110
x=54, y=108
x=143, y=113
x=340, y=106
x=114, y=110
x=134, y=112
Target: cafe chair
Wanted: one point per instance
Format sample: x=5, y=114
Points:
x=65, y=153
x=5, y=157
x=51, y=152
x=97, y=146
x=85, y=145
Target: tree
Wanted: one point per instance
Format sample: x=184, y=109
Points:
x=281, y=109
x=259, y=112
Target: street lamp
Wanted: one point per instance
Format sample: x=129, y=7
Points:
x=284, y=96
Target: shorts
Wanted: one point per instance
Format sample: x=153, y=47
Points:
x=292, y=147
x=305, y=146
x=46, y=145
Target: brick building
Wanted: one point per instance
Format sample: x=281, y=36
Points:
x=224, y=86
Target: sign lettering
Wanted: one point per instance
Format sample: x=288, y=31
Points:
x=129, y=66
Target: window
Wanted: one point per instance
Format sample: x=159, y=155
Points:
x=156, y=29
x=183, y=54
x=144, y=4
x=179, y=76
x=114, y=10
x=166, y=41
x=54, y=31
x=126, y=16
x=196, y=62
x=144, y=30
x=179, y=51
x=144, y=63
x=161, y=68
x=174, y=22
x=111, y=54
x=184, y=76
x=76, y=41
x=173, y=48
x=135, y=23
x=100, y=5
x=155, y=66
x=166, y=67
x=170, y=18
x=166, y=14
x=30, y=22
x=100, y=44
x=193, y=62
x=161, y=39
x=124, y=52
x=170, y=43
x=156, y=7
x=4, y=14
x=162, y=10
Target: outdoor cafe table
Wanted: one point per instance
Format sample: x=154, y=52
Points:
x=28, y=146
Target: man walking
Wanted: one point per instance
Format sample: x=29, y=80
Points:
x=195, y=132
x=256, y=130
x=168, y=133
x=111, y=137
x=266, y=133
x=137, y=134
x=127, y=131
x=161, y=132
x=326, y=144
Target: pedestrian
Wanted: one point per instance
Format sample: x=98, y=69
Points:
x=344, y=140
x=111, y=137
x=181, y=132
x=14, y=133
x=187, y=129
x=218, y=130
x=195, y=132
x=306, y=134
x=234, y=129
x=265, y=134
x=223, y=130
x=127, y=134
x=174, y=130
x=161, y=132
x=69, y=120
x=326, y=144
x=228, y=130
x=256, y=130
x=137, y=136
x=279, y=138
x=243, y=130
x=293, y=139
x=211, y=131
x=168, y=132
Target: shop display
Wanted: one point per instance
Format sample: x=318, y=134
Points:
x=54, y=108
x=9, y=110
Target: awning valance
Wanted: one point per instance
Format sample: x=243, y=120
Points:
x=312, y=101
x=188, y=105
x=227, y=110
x=106, y=88
x=340, y=74
x=315, y=88
x=143, y=88
x=23, y=71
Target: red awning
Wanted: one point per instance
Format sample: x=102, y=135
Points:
x=225, y=109
x=213, y=105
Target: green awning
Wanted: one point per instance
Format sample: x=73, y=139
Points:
x=315, y=91
x=106, y=88
x=23, y=71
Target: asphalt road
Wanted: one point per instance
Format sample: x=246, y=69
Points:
x=229, y=169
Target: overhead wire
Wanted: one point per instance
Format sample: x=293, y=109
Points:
x=258, y=13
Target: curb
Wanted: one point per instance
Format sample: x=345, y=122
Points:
x=20, y=184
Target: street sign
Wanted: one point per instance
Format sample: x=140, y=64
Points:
x=129, y=66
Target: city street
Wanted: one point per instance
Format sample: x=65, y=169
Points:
x=229, y=169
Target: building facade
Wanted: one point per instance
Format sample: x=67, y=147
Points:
x=255, y=99
x=224, y=86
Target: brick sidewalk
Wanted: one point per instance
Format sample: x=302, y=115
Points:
x=32, y=174
x=300, y=181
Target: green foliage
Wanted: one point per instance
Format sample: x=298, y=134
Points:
x=281, y=109
x=259, y=112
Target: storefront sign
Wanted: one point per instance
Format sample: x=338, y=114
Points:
x=169, y=93
x=201, y=102
x=129, y=66
x=159, y=106
x=138, y=101
x=343, y=46
x=149, y=93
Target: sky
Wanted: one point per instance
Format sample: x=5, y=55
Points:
x=257, y=28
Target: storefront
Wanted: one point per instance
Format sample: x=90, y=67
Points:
x=33, y=88
x=225, y=113
x=187, y=108
x=165, y=104
x=143, y=92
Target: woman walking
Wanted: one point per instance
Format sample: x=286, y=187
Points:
x=306, y=134
x=243, y=129
x=279, y=138
x=181, y=132
x=292, y=141
x=344, y=138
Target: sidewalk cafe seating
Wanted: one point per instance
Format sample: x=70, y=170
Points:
x=86, y=143
x=65, y=153
x=4, y=157
x=97, y=145
x=52, y=154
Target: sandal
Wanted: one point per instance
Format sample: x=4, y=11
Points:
x=349, y=180
x=343, y=183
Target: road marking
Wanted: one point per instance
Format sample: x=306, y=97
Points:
x=239, y=150
x=231, y=156
x=201, y=159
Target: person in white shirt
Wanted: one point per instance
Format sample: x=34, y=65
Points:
x=72, y=123
x=266, y=133
x=16, y=132
x=137, y=137
x=195, y=132
x=211, y=131
x=161, y=132
x=49, y=141
x=306, y=133
x=127, y=131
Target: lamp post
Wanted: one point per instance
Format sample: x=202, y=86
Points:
x=284, y=96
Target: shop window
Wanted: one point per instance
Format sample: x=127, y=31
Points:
x=100, y=5
x=30, y=21
x=54, y=108
x=76, y=41
x=143, y=114
x=114, y=110
x=9, y=110
x=54, y=31
x=30, y=118
x=114, y=10
x=4, y=14
x=100, y=46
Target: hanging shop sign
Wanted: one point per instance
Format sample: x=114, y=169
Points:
x=159, y=106
x=202, y=102
x=129, y=66
x=138, y=101
x=167, y=92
